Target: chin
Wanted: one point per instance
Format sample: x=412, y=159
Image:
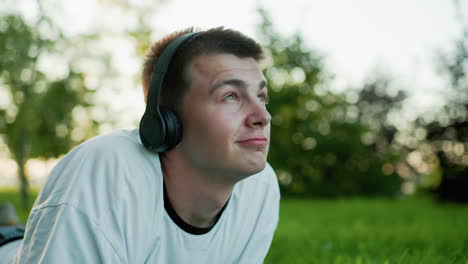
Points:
x=243, y=171
x=254, y=168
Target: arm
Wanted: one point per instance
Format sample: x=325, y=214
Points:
x=64, y=234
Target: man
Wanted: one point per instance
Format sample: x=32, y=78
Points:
x=207, y=197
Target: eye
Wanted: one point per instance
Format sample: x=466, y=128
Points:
x=264, y=98
x=230, y=97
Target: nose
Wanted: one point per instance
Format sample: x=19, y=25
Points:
x=258, y=116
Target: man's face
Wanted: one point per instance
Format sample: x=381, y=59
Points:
x=226, y=124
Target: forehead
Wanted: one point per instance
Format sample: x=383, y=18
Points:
x=209, y=69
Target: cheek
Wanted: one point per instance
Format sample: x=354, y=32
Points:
x=213, y=126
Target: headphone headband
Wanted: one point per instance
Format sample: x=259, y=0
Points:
x=160, y=69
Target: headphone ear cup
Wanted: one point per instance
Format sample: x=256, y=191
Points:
x=174, y=128
x=152, y=131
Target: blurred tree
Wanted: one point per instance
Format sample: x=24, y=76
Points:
x=447, y=133
x=37, y=119
x=375, y=105
x=319, y=145
x=42, y=115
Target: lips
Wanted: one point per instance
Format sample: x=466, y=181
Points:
x=255, y=141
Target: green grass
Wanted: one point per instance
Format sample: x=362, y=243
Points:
x=370, y=231
x=360, y=231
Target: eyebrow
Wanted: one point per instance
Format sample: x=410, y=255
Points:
x=236, y=83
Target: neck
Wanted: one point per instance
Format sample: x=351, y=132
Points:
x=195, y=194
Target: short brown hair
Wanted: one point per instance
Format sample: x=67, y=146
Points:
x=213, y=41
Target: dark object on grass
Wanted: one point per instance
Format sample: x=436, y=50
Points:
x=10, y=228
x=454, y=184
x=10, y=233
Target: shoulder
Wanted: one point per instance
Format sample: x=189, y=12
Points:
x=120, y=141
x=111, y=165
x=114, y=183
x=256, y=211
x=259, y=191
x=255, y=204
x=122, y=148
x=266, y=179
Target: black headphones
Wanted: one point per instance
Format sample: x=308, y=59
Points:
x=160, y=128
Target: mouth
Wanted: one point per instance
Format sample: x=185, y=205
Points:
x=256, y=141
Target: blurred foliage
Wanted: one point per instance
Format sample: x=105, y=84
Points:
x=447, y=134
x=322, y=144
x=37, y=121
x=53, y=84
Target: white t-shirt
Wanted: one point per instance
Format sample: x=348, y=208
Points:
x=104, y=203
